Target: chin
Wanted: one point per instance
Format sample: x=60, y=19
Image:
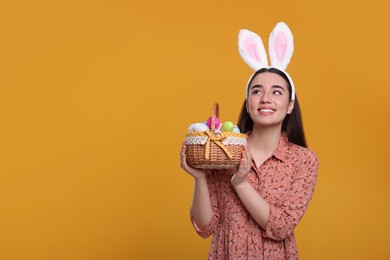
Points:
x=267, y=124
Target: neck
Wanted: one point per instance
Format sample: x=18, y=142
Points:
x=264, y=139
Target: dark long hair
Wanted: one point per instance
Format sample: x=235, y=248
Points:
x=292, y=124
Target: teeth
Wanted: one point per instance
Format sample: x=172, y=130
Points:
x=266, y=110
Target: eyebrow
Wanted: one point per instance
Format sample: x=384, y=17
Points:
x=273, y=86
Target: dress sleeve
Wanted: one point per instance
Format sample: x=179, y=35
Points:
x=282, y=220
x=211, y=227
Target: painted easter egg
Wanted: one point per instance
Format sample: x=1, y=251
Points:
x=228, y=126
x=217, y=122
x=198, y=127
x=236, y=129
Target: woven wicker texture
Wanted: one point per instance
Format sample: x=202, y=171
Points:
x=213, y=154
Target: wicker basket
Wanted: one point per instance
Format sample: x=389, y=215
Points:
x=212, y=149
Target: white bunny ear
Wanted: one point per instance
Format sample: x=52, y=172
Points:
x=252, y=50
x=281, y=46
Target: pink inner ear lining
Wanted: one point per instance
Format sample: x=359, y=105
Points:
x=252, y=49
x=280, y=45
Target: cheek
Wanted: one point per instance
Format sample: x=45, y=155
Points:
x=285, y=104
x=250, y=105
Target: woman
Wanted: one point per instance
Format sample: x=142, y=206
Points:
x=252, y=211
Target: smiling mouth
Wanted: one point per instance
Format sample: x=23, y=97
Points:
x=266, y=110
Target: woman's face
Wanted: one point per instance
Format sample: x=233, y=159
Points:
x=269, y=99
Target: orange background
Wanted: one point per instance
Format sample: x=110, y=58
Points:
x=96, y=98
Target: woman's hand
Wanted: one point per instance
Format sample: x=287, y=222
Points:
x=243, y=169
x=196, y=173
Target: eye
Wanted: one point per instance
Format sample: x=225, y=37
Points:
x=277, y=92
x=256, y=92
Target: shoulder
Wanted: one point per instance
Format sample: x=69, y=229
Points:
x=295, y=151
x=303, y=156
x=302, y=151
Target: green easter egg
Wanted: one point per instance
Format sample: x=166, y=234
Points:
x=228, y=126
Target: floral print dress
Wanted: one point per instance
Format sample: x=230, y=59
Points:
x=286, y=181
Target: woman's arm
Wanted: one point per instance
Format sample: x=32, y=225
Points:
x=201, y=209
x=253, y=202
x=278, y=222
x=283, y=219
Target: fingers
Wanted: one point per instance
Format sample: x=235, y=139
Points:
x=196, y=173
x=248, y=153
x=241, y=167
x=244, y=167
x=243, y=170
x=183, y=159
x=183, y=148
x=246, y=159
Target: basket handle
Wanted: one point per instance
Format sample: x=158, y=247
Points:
x=214, y=114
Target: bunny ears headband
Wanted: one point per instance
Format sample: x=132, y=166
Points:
x=281, y=48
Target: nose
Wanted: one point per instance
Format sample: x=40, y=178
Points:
x=265, y=98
